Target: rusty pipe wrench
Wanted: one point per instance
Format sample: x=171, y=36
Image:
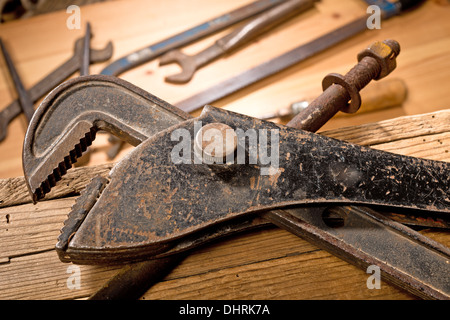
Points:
x=312, y=224
x=78, y=219
x=195, y=33
x=54, y=78
x=265, y=21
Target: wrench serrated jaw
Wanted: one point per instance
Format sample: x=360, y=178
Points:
x=79, y=211
x=46, y=176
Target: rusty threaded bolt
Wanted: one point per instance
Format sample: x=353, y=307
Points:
x=341, y=93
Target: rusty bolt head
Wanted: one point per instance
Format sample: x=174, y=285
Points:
x=385, y=53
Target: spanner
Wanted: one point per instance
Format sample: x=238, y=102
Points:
x=266, y=20
x=52, y=80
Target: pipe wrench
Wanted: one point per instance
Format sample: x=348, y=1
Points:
x=165, y=197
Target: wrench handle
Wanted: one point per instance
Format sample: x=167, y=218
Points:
x=263, y=22
x=36, y=92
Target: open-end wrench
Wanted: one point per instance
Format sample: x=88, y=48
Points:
x=190, y=64
x=291, y=57
x=190, y=35
x=54, y=78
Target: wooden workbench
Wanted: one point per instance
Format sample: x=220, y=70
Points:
x=266, y=264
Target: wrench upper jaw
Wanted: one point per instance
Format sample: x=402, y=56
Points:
x=66, y=122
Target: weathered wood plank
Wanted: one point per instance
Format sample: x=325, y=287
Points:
x=14, y=191
x=393, y=130
x=43, y=276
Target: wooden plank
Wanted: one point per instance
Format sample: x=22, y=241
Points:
x=303, y=275
x=42, y=276
x=265, y=264
x=391, y=130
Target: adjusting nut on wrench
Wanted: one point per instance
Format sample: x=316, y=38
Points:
x=341, y=93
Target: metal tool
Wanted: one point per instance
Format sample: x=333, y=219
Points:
x=288, y=59
x=25, y=101
x=265, y=21
x=164, y=215
x=377, y=96
x=195, y=33
x=311, y=169
x=54, y=78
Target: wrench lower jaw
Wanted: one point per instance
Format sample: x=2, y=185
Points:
x=110, y=256
x=134, y=253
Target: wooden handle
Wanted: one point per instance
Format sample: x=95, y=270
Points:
x=381, y=95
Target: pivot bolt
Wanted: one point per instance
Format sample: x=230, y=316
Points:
x=215, y=143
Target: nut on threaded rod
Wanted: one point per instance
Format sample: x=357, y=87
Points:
x=341, y=93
